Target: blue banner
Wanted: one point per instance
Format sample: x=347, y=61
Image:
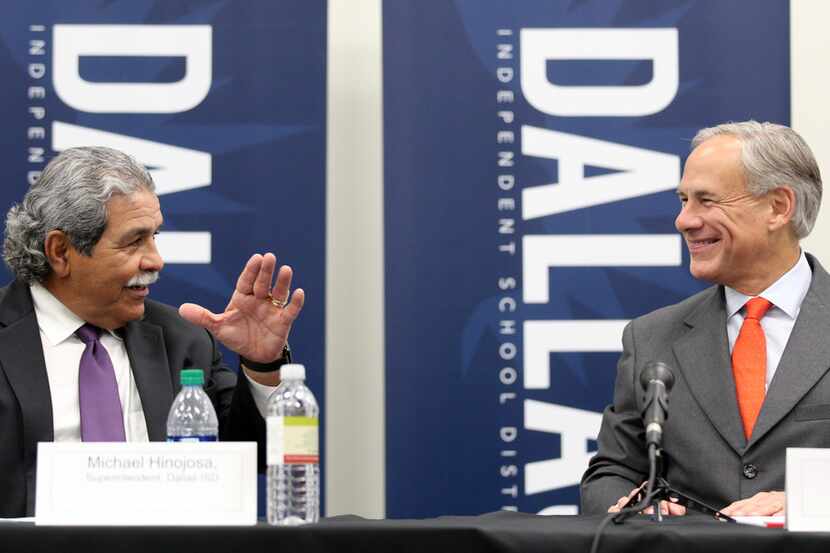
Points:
x=223, y=101
x=532, y=150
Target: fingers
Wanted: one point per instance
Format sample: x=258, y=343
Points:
x=623, y=500
x=666, y=507
x=283, y=286
x=618, y=505
x=245, y=282
x=733, y=508
x=197, y=315
x=674, y=509
x=736, y=508
x=760, y=504
x=262, y=282
x=296, y=304
x=255, y=279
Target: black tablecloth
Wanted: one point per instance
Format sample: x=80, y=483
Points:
x=503, y=532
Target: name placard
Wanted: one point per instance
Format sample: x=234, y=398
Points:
x=146, y=483
x=808, y=488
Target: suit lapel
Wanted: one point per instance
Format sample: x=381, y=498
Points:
x=21, y=359
x=703, y=357
x=148, y=358
x=806, y=358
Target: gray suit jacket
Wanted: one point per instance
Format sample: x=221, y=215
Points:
x=708, y=456
x=159, y=347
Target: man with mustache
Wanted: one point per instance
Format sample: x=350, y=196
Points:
x=82, y=247
x=750, y=354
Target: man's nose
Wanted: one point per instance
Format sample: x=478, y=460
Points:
x=151, y=260
x=687, y=219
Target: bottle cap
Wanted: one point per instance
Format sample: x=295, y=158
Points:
x=292, y=371
x=192, y=377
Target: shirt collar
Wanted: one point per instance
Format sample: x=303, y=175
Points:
x=55, y=320
x=786, y=293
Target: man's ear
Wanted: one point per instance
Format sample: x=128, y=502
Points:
x=782, y=204
x=57, y=248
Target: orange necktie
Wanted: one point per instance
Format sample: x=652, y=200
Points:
x=749, y=363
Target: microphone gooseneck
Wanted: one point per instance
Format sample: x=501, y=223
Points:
x=657, y=380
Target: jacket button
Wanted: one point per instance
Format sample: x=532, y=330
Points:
x=750, y=471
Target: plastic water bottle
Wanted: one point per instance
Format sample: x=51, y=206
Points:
x=293, y=453
x=192, y=417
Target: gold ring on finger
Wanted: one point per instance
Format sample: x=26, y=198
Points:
x=279, y=304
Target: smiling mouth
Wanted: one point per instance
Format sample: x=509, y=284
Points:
x=698, y=245
x=139, y=291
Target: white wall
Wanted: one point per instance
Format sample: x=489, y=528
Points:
x=809, y=50
x=354, y=416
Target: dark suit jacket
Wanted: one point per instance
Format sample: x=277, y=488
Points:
x=708, y=455
x=159, y=347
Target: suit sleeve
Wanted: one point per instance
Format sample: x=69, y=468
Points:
x=239, y=418
x=621, y=462
x=244, y=423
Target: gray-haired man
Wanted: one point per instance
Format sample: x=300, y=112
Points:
x=750, y=354
x=82, y=247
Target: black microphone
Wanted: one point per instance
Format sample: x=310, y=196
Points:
x=657, y=381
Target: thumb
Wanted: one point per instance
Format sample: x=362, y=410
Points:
x=675, y=509
x=198, y=315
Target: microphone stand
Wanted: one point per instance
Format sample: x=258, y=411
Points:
x=658, y=489
x=657, y=380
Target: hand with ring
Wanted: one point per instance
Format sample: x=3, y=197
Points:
x=279, y=304
x=258, y=318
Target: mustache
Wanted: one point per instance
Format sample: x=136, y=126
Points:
x=144, y=278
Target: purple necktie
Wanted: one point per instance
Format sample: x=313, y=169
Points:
x=101, y=417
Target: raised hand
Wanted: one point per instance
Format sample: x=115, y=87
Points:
x=258, y=318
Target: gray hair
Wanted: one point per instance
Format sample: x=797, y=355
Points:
x=772, y=156
x=70, y=195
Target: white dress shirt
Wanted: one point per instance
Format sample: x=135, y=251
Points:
x=786, y=295
x=62, y=352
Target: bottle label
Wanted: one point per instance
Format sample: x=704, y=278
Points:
x=292, y=441
x=192, y=439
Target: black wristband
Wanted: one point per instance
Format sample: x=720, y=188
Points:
x=268, y=367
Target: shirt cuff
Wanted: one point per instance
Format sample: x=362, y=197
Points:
x=261, y=394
